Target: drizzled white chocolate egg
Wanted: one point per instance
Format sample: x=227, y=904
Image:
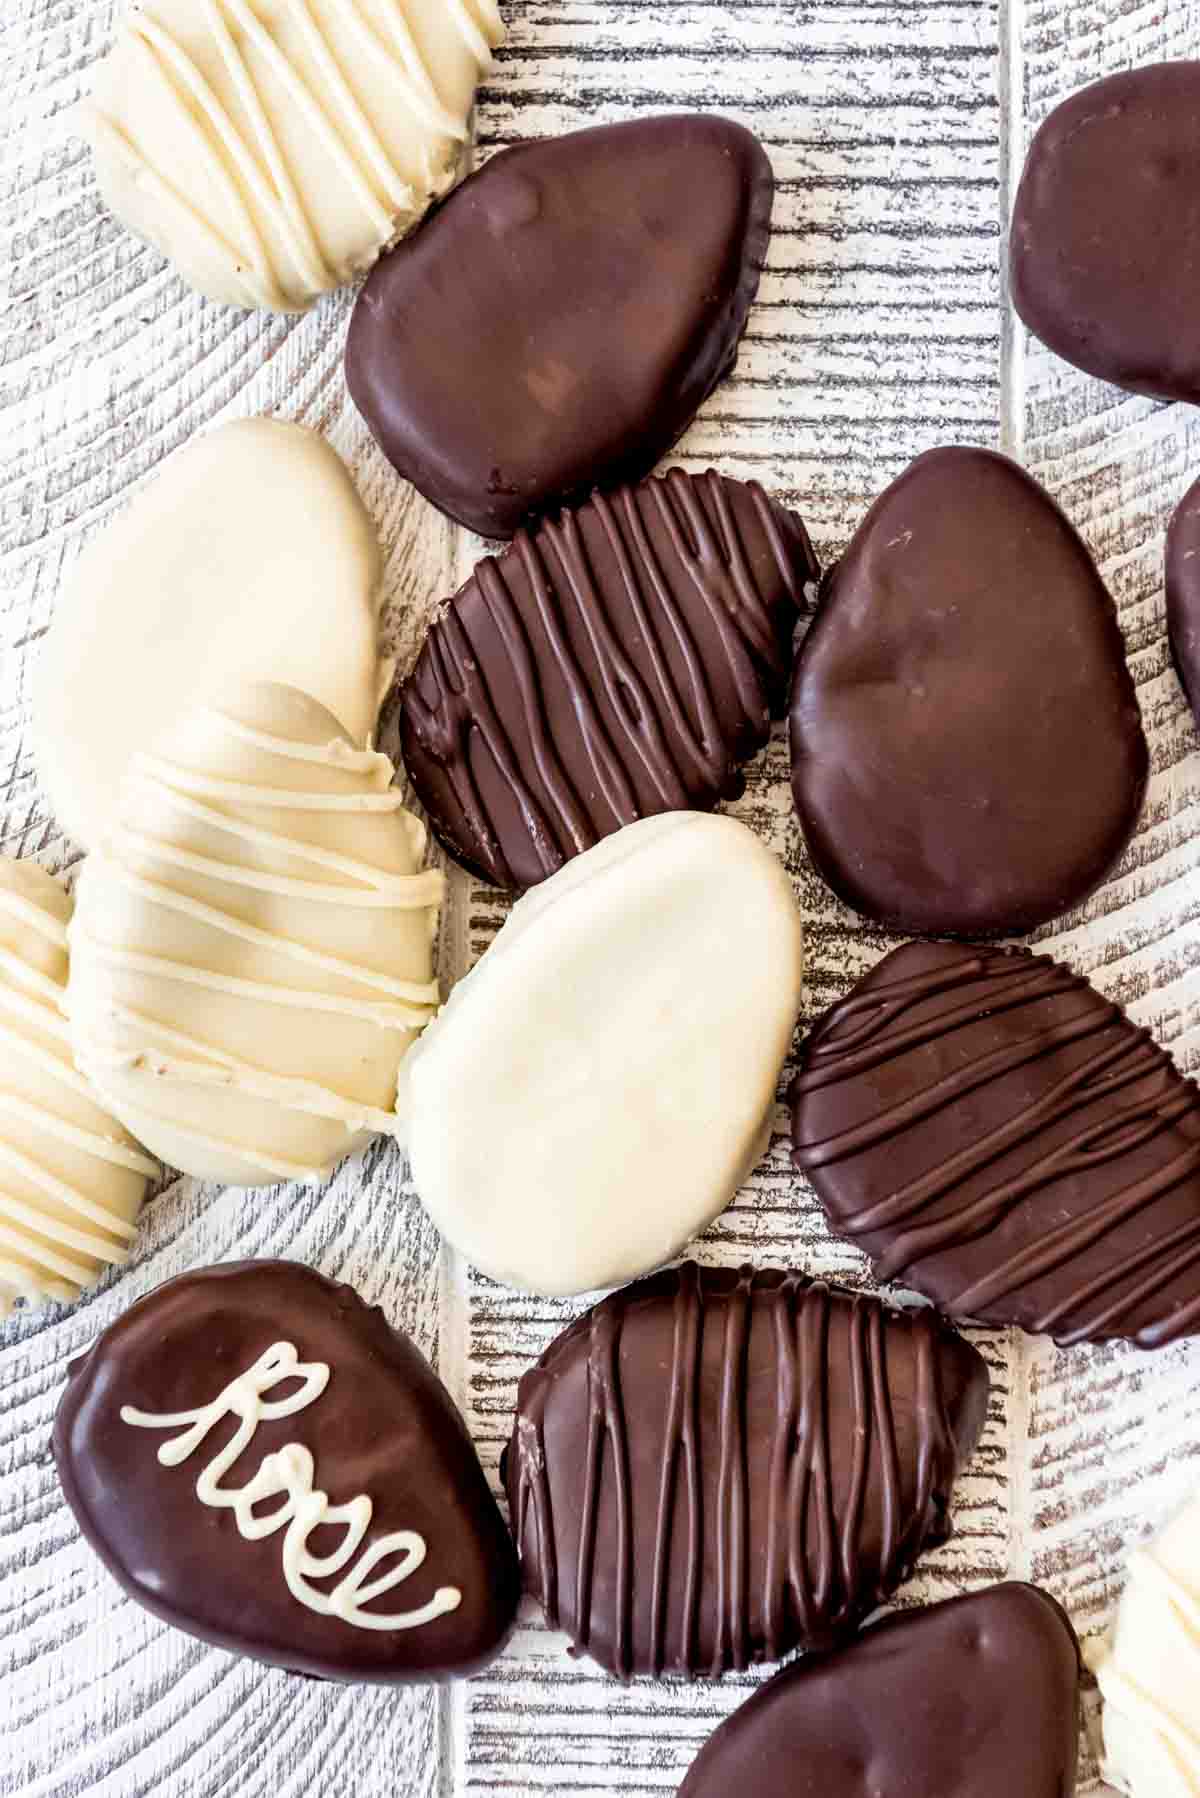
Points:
x=271, y=148
x=252, y=950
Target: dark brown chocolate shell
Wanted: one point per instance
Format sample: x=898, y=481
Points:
x=979, y=1695
x=383, y=1427
x=713, y=1467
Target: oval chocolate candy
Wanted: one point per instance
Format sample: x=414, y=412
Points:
x=618, y=661
x=999, y=1136
x=261, y=1460
x=713, y=1467
x=978, y=1696
x=967, y=749
x=1105, y=238
x=557, y=324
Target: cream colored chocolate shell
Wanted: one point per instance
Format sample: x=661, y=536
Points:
x=71, y=1180
x=599, y=1086
x=251, y=557
x=252, y=952
x=1148, y=1668
x=271, y=148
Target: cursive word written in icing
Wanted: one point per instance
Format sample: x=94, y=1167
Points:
x=290, y=1471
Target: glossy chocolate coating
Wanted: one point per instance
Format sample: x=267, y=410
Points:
x=383, y=1426
x=556, y=325
x=999, y=1136
x=619, y=660
x=1183, y=594
x=974, y=1698
x=967, y=749
x=1105, y=241
x=712, y=1467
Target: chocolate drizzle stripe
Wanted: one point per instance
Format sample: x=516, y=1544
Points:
x=449, y=652
x=1079, y=1234
x=732, y=1596
x=1127, y=1074
x=618, y=676
x=829, y=1050
x=769, y=520
x=535, y=1490
x=889, y=1460
x=861, y=1448
x=1186, y=1238
x=783, y=1324
x=585, y=1561
x=511, y=628
x=633, y=550
x=1081, y=1087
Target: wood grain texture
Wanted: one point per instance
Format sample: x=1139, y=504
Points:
x=896, y=129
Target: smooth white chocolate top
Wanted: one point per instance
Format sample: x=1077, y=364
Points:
x=1148, y=1668
x=598, y=1087
x=272, y=148
x=71, y=1180
x=252, y=952
x=251, y=557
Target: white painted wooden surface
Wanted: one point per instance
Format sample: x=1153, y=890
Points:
x=896, y=128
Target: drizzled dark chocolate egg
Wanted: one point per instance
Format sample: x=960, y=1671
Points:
x=713, y=1467
x=998, y=1135
x=619, y=660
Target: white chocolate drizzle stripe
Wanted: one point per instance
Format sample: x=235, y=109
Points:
x=295, y=226
x=102, y=1148
x=385, y=171
x=257, y=162
x=413, y=77
x=68, y=1196
x=480, y=42
x=107, y=1149
x=20, y=970
x=411, y=991
x=336, y=753
x=305, y=257
x=47, y=1020
x=406, y=892
x=218, y=1068
x=283, y=799
x=306, y=104
x=47, y=1257
x=34, y=917
x=388, y=1017
x=164, y=53
x=57, y=1231
x=271, y=839
x=290, y=1471
x=257, y=289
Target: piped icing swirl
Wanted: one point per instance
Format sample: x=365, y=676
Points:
x=253, y=947
x=290, y=1473
x=272, y=148
x=71, y=1180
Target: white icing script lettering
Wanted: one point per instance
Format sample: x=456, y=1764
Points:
x=289, y=1471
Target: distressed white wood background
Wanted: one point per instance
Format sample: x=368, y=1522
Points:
x=897, y=129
